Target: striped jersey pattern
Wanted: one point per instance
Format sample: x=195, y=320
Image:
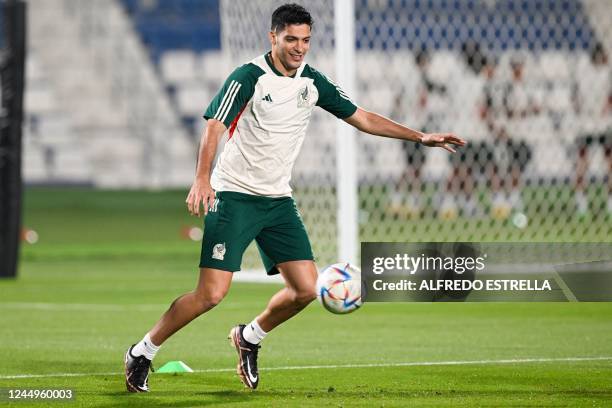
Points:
x=228, y=100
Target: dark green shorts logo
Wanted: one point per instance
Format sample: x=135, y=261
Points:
x=219, y=251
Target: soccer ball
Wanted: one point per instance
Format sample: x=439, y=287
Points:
x=339, y=288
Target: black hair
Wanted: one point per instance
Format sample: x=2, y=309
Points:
x=289, y=14
x=473, y=56
x=598, y=53
x=422, y=56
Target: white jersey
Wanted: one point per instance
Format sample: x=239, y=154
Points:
x=267, y=114
x=595, y=87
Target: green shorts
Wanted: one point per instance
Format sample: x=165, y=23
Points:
x=235, y=219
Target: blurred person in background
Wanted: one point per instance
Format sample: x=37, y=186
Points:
x=407, y=198
x=509, y=106
x=429, y=110
x=471, y=161
x=593, y=105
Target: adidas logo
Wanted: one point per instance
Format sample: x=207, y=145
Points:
x=267, y=98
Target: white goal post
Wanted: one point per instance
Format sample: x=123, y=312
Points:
x=346, y=145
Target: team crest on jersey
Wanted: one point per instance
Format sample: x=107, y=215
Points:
x=303, y=96
x=219, y=251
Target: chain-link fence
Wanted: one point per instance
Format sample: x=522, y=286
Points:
x=527, y=83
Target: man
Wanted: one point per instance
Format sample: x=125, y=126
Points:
x=508, y=110
x=511, y=153
x=266, y=105
x=593, y=103
x=429, y=96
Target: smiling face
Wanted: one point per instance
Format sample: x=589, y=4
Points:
x=290, y=46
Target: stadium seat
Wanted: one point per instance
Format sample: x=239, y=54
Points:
x=214, y=66
x=192, y=99
x=445, y=66
x=178, y=66
x=554, y=65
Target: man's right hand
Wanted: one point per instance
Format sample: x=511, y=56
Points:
x=201, y=193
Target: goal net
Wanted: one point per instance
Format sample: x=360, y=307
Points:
x=528, y=84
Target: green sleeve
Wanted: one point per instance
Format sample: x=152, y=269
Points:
x=235, y=93
x=331, y=97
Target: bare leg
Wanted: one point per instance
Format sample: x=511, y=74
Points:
x=300, y=280
x=515, y=177
x=416, y=186
x=411, y=178
x=212, y=287
x=582, y=204
x=497, y=183
x=608, y=156
x=581, y=169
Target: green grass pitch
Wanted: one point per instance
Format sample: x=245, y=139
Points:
x=108, y=264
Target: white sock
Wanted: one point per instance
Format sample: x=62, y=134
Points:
x=253, y=333
x=582, y=203
x=145, y=347
x=497, y=198
x=515, y=200
x=448, y=202
x=397, y=198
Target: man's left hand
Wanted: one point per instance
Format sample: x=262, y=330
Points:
x=443, y=140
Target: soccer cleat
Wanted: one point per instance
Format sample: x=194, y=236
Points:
x=137, y=372
x=247, y=352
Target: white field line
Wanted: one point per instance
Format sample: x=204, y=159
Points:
x=332, y=366
x=96, y=307
x=89, y=307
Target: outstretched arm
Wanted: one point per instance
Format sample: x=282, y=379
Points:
x=201, y=192
x=375, y=124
